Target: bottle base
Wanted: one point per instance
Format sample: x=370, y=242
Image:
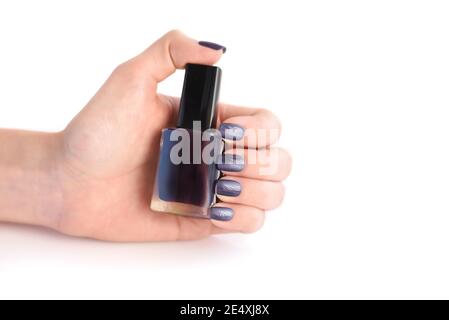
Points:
x=177, y=208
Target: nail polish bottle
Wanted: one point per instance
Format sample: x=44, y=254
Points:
x=186, y=174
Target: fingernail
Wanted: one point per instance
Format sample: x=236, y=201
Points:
x=221, y=213
x=231, y=131
x=231, y=163
x=212, y=45
x=229, y=188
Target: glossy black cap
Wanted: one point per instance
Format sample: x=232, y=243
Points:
x=199, y=96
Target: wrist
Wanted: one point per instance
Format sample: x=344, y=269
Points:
x=30, y=187
x=49, y=207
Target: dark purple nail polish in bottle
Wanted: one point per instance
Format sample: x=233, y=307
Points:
x=186, y=174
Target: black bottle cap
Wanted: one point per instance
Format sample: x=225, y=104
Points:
x=199, y=96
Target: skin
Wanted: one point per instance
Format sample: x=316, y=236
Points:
x=95, y=178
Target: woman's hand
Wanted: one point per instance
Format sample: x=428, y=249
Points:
x=107, y=156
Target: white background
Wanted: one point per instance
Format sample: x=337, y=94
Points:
x=362, y=90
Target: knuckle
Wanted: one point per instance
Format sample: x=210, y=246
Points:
x=120, y=69
x=286, y=163
x=173, y=34
x=272, y=124
x=129, y=72
x=256, y=223
x=124, y=68
x=281, y=196
x=273, y=121
x=273, y=196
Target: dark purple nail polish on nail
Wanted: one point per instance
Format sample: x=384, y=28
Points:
x=212, y=45
x=221, y=213
x=231, y=163
x=229, y=188
x=231, y=131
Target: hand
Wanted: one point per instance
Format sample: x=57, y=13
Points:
x=109, y=153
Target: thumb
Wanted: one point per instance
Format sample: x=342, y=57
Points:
x=173, y=51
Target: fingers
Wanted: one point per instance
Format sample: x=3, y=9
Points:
x=261, y=127
x=245, y=219
x=265, y=195
x=272, y=164
x=247, y=191
x=173, y=51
